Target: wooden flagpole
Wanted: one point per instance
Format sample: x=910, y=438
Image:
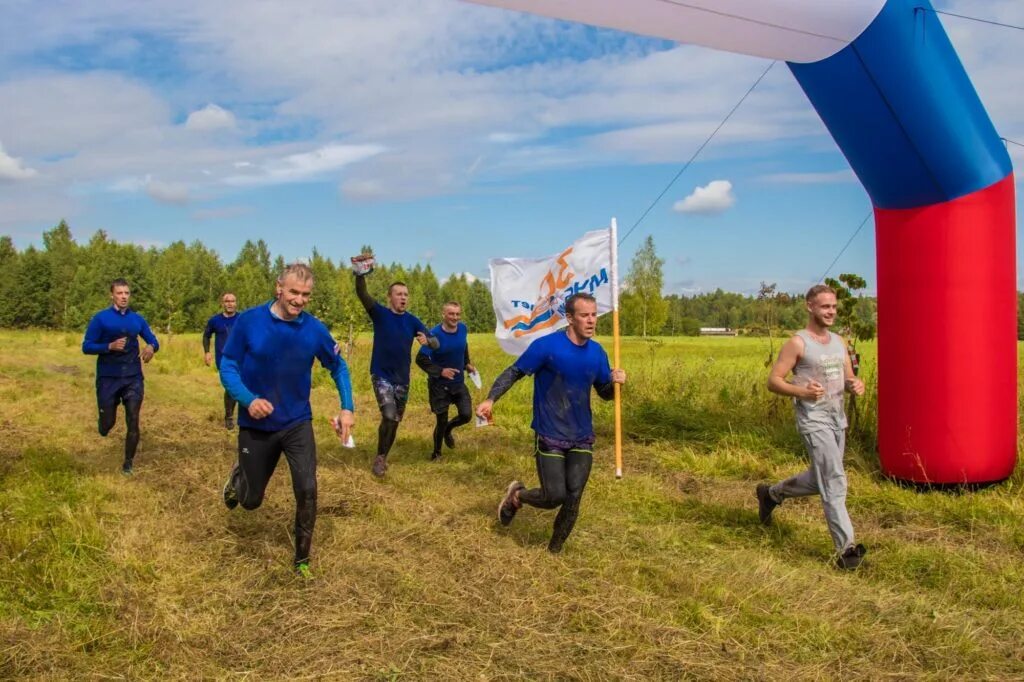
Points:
x=615, y=346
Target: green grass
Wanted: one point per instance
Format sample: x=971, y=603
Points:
x=667, y=576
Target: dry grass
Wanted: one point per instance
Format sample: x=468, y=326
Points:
x=668, y=575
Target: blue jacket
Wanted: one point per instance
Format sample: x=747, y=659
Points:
x=110, y=325
x=270, y=358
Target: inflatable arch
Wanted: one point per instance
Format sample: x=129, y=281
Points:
x=891, y=90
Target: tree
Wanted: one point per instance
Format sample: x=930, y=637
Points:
x=644, y=309
x=856, y=317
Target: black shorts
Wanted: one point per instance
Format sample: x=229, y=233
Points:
x=444, y=394
x=111, y=391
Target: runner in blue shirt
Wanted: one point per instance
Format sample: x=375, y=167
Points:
x=266, y=367
x=394, y=331
x=565, y=365
x=446, y=369
x=219, y=326
x=113, y=336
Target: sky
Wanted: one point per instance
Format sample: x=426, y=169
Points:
x=436, y=131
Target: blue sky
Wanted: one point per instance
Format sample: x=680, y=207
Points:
x=434, y=130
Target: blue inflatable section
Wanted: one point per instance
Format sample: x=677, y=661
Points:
x=901, y=107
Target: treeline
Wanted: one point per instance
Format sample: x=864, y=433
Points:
x=178, y=287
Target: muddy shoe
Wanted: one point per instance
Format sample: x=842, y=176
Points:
x=765, y=504
x=851, y=558
x=510, y=504
x=380, y=465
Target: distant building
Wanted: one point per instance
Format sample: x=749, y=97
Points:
x=718, y=331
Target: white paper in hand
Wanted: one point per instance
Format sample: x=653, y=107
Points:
x=474, y=376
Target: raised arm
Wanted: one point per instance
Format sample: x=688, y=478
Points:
x=363, y=294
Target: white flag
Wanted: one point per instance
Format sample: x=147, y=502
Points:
x=529, y=293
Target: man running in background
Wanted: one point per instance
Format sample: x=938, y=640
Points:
x=446, y=368
x=113, y=336
x=266, y=367
x=565, y=365
x=219, y=326
x=394, y=331
x=821, y=372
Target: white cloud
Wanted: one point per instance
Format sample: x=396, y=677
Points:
x=210, y=117
x=167, y=192
x=12, y=168
x=307, y=165
x=715, y=197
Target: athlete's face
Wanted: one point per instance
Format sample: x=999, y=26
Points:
x=120, y=295
x=451, y=316
x=398, y=297
x=823, y=309
x=293, y=295
x=229, y=303
x=584, y=320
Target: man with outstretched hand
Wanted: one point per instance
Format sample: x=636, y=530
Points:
x=565, y=366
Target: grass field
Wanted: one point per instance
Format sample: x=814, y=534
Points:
x=667, y=576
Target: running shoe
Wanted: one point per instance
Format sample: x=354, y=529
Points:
x=765, y=504
x=851, y=558
x=380, y=465
x=229, y=493
x=229, y=423
x=302, y=570
x=510, y=504
x=126, y=468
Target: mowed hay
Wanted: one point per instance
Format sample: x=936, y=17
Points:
x=668, y=575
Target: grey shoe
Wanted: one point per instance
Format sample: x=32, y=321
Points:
x=380, y=465
x=229, y=423
x=765, y=504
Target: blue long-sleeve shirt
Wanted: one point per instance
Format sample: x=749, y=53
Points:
x=219, y=327
x=270, y=358
x=110, y=325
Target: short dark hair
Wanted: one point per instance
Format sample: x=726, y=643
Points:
x=570, y=303
x=119, y=282
x=813, y=292
x=451, y=303
x=396, y=283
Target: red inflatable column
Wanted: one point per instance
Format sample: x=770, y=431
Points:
x=947, y=330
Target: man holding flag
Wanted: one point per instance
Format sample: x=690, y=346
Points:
x=565, y=365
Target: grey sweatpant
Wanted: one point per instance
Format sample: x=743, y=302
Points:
x=825, y=477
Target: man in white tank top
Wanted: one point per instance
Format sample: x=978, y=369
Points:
x=821, y=372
